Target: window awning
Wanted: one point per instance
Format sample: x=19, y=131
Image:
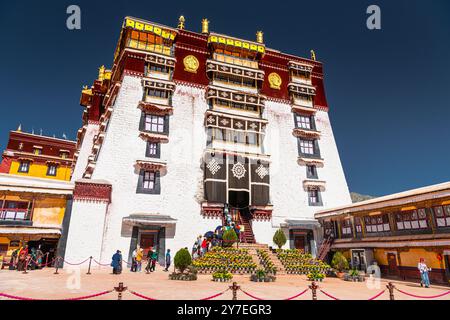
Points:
x=149, y=220
x=300, y=224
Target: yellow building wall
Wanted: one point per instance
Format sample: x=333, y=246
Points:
x=49, y=211
x=409, y=258
x=40, y=171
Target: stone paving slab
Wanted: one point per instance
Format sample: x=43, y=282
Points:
x=74, y=282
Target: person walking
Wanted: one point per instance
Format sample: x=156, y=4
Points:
x=168, y=260
x=139, y=257
x=23, y=256
x=423, y=269
x=149, y=260
x=116, y=263
x=204, y=247
x=133, y=261
x=154, y=259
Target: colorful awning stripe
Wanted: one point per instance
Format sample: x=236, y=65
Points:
x=237, y=43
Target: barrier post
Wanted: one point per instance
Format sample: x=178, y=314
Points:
x=391, y=288
x=119, y=290
x=314, y=288
x=56, y=265
x=235, y=288
x=89, y=268
x=46, y=259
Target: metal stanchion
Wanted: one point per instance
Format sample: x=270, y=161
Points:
x=391, y=288
x=119, y=290
x=314, y=288
x=56, y=265
x=235, y=288
x=89, y=269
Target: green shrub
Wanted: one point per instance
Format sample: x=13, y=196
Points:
x=182, y=260
x=339, y=262
x=279, y=238
x=229, y=237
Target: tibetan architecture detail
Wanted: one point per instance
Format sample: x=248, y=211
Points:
x=188, y=127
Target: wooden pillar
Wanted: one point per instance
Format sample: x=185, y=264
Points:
x=363, y=226
x=339, y=231
x=391, y=222
x=352, y=220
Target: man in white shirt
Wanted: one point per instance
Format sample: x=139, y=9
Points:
x=423, y=268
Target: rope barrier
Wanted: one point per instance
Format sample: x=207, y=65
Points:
x=66, y=299
x=215, y=296
x=297, y=295
x=376, y=296
x=329, y=295
x=142, y=296
x=251, y=296
x=423, y=297
x=73, y=264
x=101, y=264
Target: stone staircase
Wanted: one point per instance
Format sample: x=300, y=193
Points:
x=252, y=250
x=248, y=235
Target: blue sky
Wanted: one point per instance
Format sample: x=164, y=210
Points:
x=388, y=90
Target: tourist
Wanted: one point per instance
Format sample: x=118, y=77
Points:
x=23, y=255
x=13, y=260
x=423, y=269
x=133, y=261
x=194, y=250
x=33, y=259
x=204, y=247
x=167, y=260
x=39, y=257
x=154, y=259
x=149, y=260
x=116, y=263
x=139, y=257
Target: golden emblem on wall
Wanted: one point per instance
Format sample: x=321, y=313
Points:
x=275, y=80
x=191, y=64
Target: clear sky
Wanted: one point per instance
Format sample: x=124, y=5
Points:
x=388, y=90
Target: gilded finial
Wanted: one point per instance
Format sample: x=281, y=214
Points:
x=181, y=22
x=101, y=73
x=205, y=25
x=19, y=129
x=260, y=37
x=313, y=55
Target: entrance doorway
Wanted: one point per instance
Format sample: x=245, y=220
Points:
x=239, y=199
x=392, y=264
x=359, y=260
x=147, y=241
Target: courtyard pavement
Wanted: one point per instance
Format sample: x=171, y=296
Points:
x=74, y=282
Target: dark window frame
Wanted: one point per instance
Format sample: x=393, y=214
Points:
x=298, y=124
x=142, y=123
x=156, y=186
x=52, y=166
x=148, y=149
x=374, y=227
x=311, y=174
x=407, y=219
x=315, y=148
x=21, y=168
x=317, y=195
x=444, y=218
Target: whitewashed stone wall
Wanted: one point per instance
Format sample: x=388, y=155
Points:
x=182, y=185
x=85, y=150
x=85, y=234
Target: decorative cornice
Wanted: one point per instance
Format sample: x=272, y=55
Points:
x=92, y=191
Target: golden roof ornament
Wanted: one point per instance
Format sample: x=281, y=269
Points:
x=181, y=22
x=19, y=129
x=205, y=25
x=313, y=55
x=101, y=73
x=259, y=37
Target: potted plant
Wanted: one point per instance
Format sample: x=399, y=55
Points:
x=340, y=264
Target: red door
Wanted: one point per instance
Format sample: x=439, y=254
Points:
x=147, y=242
x=299, y=243
x=392, y=264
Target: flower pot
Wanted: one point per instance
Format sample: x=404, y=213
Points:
x=340, y=275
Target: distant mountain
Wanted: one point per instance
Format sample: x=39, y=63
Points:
x=356, y=197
